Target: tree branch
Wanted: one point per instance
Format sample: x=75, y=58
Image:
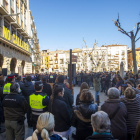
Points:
x=137, y=39
x=137, y=29
x=124, y=32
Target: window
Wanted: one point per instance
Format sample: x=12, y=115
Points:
x=21, y=8
x=25, y=13
x=17, y=3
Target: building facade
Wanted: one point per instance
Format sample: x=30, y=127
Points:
x=130, y=59
x=16, y=35
x=105, y=58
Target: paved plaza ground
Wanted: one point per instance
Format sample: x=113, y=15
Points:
x=29, y=131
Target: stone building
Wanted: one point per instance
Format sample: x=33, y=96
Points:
x=130, y=59
x=104, y=58
x=16, y=36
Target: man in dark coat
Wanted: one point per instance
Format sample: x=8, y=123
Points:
x=27, y=90
x=46, y=87
x=67, y=94
x=19, y=81
x=15, y=107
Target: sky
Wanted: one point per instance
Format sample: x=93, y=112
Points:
x=62, y=24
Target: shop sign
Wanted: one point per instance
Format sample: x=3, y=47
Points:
x=15, y=39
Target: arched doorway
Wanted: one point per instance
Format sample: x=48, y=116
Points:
x=1, y=60
x=22, y=65
x=13, y=65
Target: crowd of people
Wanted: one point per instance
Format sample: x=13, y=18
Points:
x=50, y=111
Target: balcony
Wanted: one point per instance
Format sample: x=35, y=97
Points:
x=56, y=68
x=35, y=32
x=51, y=60
x=56, y=55
x=36, y=41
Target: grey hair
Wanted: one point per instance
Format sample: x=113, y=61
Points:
x=113, y=93
x=101, y=122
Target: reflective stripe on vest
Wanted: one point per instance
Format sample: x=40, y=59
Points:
x=6, y=89
x=36, y=104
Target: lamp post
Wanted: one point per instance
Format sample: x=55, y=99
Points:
x=133, y=40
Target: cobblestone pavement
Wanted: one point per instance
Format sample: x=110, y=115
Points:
x=29, y=131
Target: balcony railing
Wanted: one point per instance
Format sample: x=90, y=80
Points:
x=5, y=4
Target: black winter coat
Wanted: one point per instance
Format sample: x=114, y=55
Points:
x=118, y=123
x=1, y=89
x=15, y=106
x=133, y=113
x=107, y=81
x=47, y=89
x=68, y=97
x=81, y=119
x=21, y=84
x=77, y=99
x=27, y=90
x=100, y=137
x=61, y=114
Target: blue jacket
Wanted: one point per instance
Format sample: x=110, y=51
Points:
x=27, y=90
x=53, y=137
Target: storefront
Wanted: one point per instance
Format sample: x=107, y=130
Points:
x=14, y=53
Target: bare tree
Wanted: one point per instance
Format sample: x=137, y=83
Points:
x=133, y=39
x=96, y=56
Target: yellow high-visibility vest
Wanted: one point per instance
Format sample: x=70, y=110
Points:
x=36, y=101
x=6, y=89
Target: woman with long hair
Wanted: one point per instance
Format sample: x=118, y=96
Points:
x=59, y=109
x=119, y=81
x=45, y=127
x=81, y=118
x=84, y=85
